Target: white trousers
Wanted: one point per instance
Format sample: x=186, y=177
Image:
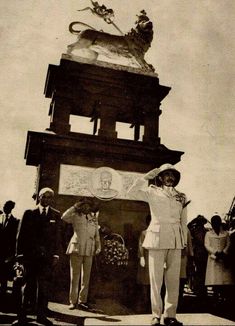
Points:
x=80, y=267
x=164, y=263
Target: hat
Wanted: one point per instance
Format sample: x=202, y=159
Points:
x=93, y=204
x=168, y=167
x=83, y=201
x=44, y=190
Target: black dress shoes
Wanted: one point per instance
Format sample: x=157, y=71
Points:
x=172, y=322
x=44, y=321
x=155, y=321
x=83, y=306
x=20, y=322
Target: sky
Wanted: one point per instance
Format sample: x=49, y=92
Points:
x=192, y=52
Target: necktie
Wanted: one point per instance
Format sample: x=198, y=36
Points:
x=5, y=221
x=43, y=215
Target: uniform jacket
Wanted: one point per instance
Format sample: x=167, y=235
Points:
x=85, y=240
x=168, y=226
x=8, y=237
x=39, y=237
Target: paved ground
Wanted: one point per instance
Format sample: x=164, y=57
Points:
x=187, y=319
x=109, y=312
x=92, y=319
x=62, y=316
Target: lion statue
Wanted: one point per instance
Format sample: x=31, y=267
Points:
x=134, y=44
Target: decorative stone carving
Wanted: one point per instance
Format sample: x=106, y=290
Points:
x=85, y=181
x=102, y=11
x=105, y=183
x=132, y=45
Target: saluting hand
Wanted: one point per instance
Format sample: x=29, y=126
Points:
x=151, y=174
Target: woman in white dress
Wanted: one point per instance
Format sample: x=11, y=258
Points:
x=218, y=273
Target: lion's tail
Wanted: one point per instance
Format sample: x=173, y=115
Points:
x=74, y=31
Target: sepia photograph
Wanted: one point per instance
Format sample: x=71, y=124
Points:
x=117, y=197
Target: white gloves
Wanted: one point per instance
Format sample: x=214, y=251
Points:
x=151, y=174
x=142, y=261
x=98, y=250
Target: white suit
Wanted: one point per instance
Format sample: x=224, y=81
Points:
x=165, y=237
x=82, y=247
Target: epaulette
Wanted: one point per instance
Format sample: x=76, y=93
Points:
x=153, y=186
x=181, y=197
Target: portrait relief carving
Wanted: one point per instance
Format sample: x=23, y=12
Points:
x=104, y=183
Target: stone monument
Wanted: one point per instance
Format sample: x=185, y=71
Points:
x=109, y=83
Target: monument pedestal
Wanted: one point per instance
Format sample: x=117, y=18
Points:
x=65, y=159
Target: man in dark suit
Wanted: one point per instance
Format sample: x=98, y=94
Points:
x=38, y=246
x=8, y=231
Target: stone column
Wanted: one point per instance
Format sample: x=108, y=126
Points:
x=60, y=114
x=151, y=125
x=107, y=121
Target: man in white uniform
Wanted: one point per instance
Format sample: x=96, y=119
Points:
x=84, y=244
x=165, y=237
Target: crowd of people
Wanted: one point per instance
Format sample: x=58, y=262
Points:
x=213, y=257
x=173, y=254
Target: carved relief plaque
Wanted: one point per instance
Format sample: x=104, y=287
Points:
x=104, y=183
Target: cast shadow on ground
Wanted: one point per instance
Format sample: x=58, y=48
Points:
x=66, y=318
x=104, y=318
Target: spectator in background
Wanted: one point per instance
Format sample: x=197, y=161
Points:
x=231, y=251
x=198, y=232
x=84, y=244
x=218, y=273
x=143, y=268
x=231, y=259
x=8, y=231
x=38, y=248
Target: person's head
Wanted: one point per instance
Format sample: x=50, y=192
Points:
x=105, y=179
x=201, y=220
x=45, y=196
x=167, y=176
x=8, y=206
x=216, y=223
x=85, y=206
x=197, y=223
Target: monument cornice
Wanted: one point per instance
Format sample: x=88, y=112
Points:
x=39, y=143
